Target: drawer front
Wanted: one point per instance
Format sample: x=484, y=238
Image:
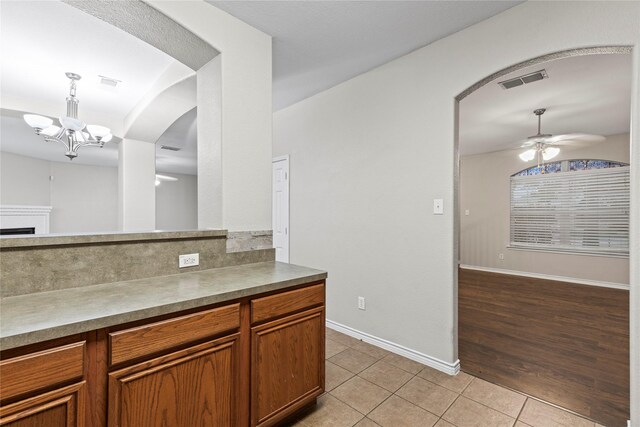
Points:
x=41, y=369
x=144, y=340
x=286, y=302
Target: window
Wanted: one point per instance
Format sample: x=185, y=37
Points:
x=575, y=206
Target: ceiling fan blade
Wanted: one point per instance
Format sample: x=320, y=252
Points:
x=569, y=138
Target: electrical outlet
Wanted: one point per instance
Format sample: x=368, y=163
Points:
x=361, y=305
x=189, y=260
x=466, y=212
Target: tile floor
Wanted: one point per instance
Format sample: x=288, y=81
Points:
x=368, y=386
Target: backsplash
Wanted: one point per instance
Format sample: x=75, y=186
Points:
x=239, y=241
x=29, y=265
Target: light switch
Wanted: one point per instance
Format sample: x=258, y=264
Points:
x=466, y=212
x=438, y=206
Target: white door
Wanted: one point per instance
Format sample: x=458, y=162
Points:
x=280, y=204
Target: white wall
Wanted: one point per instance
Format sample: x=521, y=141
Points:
x=24, y=180
x=136, y=185
x=84, y=198
x=484, y=233
x=177, y=203
x=246, y=109
x=369, y=155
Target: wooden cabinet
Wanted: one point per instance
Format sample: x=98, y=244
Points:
x=63, y=407
x=253, y=361
x=197, y=386
x=287, y=366
x=44, y=388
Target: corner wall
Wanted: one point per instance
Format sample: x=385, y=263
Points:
x=484, y=233
x=369, y=155
x=246, y=109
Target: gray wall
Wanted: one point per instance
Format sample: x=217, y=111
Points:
x=177, y=203
x=369, y=155
x=484, y=233
x=24, y=180
x=85, y=198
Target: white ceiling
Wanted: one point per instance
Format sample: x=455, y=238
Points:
x=583, y=94
x=40, y=41
x=319, y=44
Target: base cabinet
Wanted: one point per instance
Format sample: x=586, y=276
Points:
x=193, y=387
x=287, y=369
x=253, y=361
x=63, y=407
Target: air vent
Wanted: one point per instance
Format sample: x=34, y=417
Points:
x=168, y=147
x=522, y=80
x=108, y=81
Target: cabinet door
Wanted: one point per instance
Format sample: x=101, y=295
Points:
x=193, y=387
x=287, y=366
x=63, y=407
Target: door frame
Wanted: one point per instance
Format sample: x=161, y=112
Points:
x=634, y=218
x=275, y=160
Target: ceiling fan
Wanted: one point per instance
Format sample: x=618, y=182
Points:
x=544, y=144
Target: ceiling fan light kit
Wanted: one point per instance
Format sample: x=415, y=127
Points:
x=71, y=134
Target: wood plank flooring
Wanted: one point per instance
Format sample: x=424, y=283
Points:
x=564, y=343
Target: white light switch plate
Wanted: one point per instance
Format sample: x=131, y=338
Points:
x=188, y=260
x=438, y=206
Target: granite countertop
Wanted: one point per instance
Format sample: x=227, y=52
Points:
x=32, y=318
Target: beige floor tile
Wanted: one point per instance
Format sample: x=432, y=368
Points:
x=360, y=394
x=386, y=376
x=331, y=348
x=334, y=375
x=397, y=412
x=330, y=412
x=371, y=350
x=496, y=397
x=429, y=396
x=538, y=414
x=443, y=423
x=521, y=424
x=341, y=338
x=404, y=363
x=366, y=422
x=455, y=383
x=353, y=360
x=467, y=413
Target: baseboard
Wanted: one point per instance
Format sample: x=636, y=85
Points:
x=432, y=362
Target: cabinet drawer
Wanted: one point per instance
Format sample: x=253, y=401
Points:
x=130, y=344
x=286, y=302
x=42, y=369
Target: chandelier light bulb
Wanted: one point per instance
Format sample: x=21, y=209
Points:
x=51, y=130
x=37, y=122
x=550, y=152
x=107, y=138
x=98, y=132
x=528, y=155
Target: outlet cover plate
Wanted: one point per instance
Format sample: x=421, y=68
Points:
x=188, y=260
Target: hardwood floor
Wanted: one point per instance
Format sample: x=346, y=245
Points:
x=561, y=342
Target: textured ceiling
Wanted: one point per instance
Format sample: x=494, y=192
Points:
x=319, y=44
x=583, y=94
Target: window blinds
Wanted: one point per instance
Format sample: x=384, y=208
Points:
x=579, y=211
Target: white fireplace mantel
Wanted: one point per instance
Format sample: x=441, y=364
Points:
x=22, y=216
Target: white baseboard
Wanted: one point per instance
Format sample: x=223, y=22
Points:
x=432, y=362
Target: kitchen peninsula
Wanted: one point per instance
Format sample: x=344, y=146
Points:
x=239, y=342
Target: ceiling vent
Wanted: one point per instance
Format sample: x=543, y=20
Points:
x=522, y=80
x=170, y=148
x=108, y=81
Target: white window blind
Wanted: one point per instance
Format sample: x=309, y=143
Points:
x=578, y=211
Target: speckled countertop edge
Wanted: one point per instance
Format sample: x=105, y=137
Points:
x=24, y=241
x=33, y=318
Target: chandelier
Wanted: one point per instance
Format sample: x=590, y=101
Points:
x=71, y=131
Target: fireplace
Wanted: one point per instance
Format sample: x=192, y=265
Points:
x=24, y=220
x=17, y=230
